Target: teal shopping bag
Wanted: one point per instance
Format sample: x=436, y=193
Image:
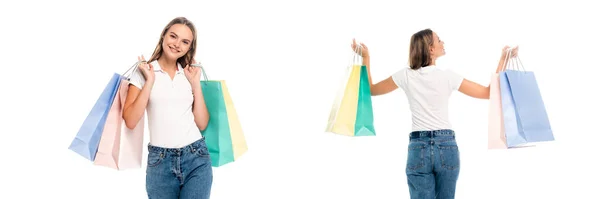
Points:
x=217, y=133
x=364, y=114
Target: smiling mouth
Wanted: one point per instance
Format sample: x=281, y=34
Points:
x=173, y=49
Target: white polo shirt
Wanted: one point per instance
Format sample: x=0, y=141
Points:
x=170, y=117
x=428, y=90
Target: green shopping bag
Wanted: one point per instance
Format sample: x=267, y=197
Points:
x=223, y=136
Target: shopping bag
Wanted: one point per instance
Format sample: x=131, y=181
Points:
x=352, y=111
x=532, y=118
x=496, y=136
x=345, y=116
x=238, y=140
x=87, y=139
x=524, y=114
x=337, y=104
x=364, y=114
x=514, y=137
x=496, y=131
x=223, y=135
x=120, y=147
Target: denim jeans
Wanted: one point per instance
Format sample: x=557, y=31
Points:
x=433, y=164
x=179, y=172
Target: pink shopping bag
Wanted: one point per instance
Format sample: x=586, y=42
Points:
x=120, y=147
x=496, y=136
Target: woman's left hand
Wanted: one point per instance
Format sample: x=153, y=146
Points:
x=513, y=52
x=361, y=49
x=192, y=73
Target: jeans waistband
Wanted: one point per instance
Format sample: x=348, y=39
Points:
x=200, y=143
x=432, y=133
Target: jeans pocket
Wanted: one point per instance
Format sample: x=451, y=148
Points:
x=155, y=158
x=449, y=155
x=416, y=155
x=202, y=152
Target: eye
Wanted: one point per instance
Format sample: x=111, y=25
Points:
x=186, y=43
x=173, y=36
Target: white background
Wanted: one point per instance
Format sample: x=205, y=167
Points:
x=282, y=62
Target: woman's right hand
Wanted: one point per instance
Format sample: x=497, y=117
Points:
x=146, y=68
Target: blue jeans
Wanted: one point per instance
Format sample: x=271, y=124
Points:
x=179, y=172
x=432, y=165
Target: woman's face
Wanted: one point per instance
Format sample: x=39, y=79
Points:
x=177, y=41
x=437, y=50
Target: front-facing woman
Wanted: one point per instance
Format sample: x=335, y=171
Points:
x=169, y=89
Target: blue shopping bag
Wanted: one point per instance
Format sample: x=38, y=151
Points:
x=514, y=136
x=532, y=117
x=87, y=139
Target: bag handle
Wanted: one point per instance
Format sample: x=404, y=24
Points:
x=513, y=63
x=136, y=66
x=519, y=64
x=202, y=69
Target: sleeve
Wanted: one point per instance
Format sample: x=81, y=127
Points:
x=400, y=78
x=455, y=79
x=137, y=79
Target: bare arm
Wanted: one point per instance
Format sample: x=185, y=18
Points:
x=137, y=99
x=383, y=87
x=136, y=103
x=476, y=90
x=199, y=109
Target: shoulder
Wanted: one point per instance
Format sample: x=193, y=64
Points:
x=402, y=71
x=448, y=71
x=399, y=76
x=454, y=78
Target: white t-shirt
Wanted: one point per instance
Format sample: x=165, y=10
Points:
x=170, y=117
x=428, y=90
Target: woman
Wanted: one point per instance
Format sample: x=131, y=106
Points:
x=179, y=165
x=433, y=161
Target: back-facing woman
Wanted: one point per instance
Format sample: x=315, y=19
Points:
x=433, y=161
